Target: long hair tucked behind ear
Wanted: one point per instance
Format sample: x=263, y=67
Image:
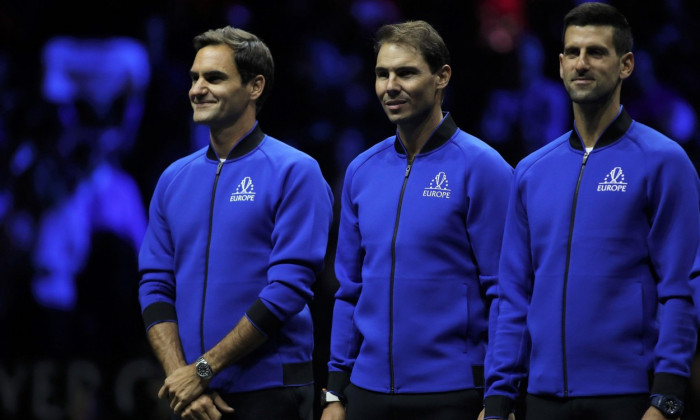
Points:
x=418, y=34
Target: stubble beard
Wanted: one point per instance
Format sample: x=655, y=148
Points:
x=595, y=96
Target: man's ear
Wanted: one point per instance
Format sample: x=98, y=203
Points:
x=256, y=86
x=626, y=65
x=443, y=74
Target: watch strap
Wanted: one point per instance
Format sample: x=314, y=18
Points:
x=328, y=397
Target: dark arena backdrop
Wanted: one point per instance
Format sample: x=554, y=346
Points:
x=93, y=107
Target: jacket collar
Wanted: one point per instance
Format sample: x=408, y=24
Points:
x=615, y=130
x=249, y=142
x=442, y=133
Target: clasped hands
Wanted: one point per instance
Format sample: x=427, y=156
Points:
x=186, y=393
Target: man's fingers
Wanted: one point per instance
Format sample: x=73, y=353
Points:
x=221, y=404
x=202, y=408
x=180, y=407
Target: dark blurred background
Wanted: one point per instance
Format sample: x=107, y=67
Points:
x=93, y=107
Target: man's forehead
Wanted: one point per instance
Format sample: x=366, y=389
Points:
x=589, y=34
x=399, y=54
x=214, y=57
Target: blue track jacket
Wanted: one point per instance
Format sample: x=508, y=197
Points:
x=594, y=270
x=246, y=236
x=417, y=257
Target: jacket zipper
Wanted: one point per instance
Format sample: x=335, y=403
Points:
x=566, y=275
x=393, y=271
x=206, y=259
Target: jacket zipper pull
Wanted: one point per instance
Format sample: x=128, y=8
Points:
x=585, y=158
x=218, y=168
x=408, y=167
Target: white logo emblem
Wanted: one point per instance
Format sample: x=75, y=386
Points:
x=245, y=191
x=438, y=187
x=614, y=181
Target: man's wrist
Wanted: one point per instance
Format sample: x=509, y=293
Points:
x=329, y=397
x=202, y=369
x=670, y=406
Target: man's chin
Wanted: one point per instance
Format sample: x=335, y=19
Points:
x=200, y=119
x=395, y=118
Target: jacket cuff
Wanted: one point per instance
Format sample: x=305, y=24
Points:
x=669, y=384
x=263, y=319
x=337, y=382
x=497, y=406
x=158, y=312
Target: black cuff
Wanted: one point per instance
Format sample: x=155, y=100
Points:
x=497, y=405
x=669, y=384
x=262, y=318
x=158, y=312
x=337, y=382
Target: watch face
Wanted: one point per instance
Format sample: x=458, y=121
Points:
x=671, y=407
x=203, y=369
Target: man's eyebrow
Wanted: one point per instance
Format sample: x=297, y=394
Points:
x=399, y=68
x=210, y=73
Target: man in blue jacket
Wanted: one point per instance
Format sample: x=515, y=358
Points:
x=421, y=222
x=601, y=232
x=237, y=234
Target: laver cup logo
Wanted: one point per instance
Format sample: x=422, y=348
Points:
x=244, y=191
x=614, y=181
x=438, y=187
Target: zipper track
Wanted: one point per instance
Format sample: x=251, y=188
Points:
x=566, y=277
x=206, y=259
x=393, y=272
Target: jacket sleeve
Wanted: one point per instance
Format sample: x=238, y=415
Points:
x=508, y=349
x=156, y=264
x=672, y=240
x=695, y=283
x=299, y=240
x=488, y=186
x=345, y=338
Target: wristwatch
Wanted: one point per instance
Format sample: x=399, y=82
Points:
x=328, y=397
x=203, y=369
x=669, y=405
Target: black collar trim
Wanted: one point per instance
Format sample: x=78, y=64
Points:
x=249, y=142
x=615, y=130
x=440, y=136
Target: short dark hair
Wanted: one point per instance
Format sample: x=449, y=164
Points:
x=418, y=34
x=601, y=14
x=251, y=55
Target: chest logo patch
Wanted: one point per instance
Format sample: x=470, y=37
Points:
x=614, y=181
x=245, y=191
x=439, y=187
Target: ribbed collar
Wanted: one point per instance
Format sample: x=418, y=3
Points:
x=442, y=133
x=615, y=130
x=249, y=142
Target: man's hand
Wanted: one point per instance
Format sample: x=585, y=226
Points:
x=207, y=407
x=511, y=416
x=182, y=387
x=653, y=413
x=333, y=411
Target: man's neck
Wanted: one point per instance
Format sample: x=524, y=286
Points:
x=415, y=136
x=591, y=121
x=224, y=139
